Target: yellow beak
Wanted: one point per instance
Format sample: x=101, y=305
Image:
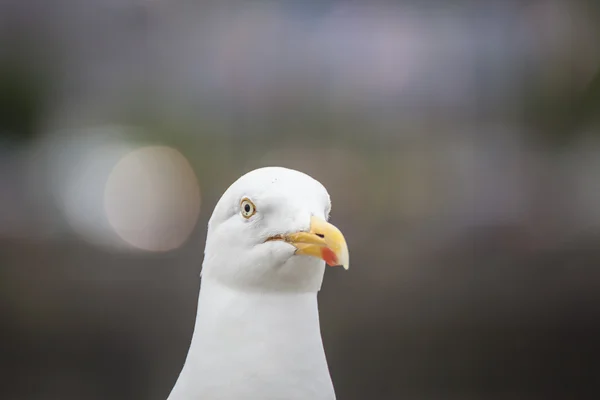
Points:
x=323, y=241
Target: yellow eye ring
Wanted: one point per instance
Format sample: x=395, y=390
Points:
x=247, y=207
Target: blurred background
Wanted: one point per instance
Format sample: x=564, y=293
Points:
x=460, y=145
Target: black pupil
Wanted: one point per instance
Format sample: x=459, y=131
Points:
x=247, y=207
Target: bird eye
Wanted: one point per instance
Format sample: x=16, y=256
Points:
x=248, y=208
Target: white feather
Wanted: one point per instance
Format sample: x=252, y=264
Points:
x=257, y=333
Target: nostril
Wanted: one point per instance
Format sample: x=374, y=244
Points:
x=320, y=235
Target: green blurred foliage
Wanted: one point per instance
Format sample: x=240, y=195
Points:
x=559, y=113
x=24, y=99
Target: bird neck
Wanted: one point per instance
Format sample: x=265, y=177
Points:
x=252, y=342
x=272, y=319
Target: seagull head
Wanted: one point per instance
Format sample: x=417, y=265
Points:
x=269, y=232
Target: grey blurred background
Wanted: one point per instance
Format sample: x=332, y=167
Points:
x=460, y=145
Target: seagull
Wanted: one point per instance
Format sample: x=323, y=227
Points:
x=257, y=333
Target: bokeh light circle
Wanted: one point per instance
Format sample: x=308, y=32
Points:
x=152, y=198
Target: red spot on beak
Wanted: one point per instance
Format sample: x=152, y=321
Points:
x=329, y=256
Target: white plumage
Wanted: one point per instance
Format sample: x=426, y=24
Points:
x=257, y=333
